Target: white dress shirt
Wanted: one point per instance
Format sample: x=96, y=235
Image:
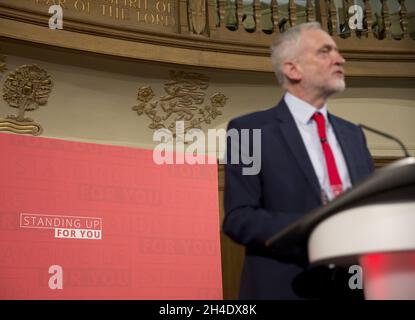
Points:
x=302, y=113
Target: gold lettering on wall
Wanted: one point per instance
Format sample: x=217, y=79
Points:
x=162, y=6
x=49, y=3
x=83, y=6
x=114, y=12
x=160, y=14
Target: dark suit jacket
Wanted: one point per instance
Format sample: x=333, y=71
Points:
x=258, y=206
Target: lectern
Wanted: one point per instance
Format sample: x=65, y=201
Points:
x=371, y=225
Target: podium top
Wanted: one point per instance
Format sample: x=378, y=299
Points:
x=393, y=183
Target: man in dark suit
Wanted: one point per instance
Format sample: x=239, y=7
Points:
x=308, y=157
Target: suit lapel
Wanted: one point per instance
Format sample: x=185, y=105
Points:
x=296, y=145
x=345, y=138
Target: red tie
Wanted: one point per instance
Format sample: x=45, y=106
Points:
x=334, y=177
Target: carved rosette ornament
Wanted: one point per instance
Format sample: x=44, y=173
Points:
x=197, y=13
x=185, y=101
x=26, y=89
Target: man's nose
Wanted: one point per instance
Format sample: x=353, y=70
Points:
x=338, y=58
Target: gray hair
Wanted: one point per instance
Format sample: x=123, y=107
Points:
x=284, y=47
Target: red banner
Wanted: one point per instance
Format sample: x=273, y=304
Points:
x=90, y=221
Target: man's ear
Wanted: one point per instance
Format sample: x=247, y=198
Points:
x=292, y=70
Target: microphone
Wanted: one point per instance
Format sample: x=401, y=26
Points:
x=387, y=136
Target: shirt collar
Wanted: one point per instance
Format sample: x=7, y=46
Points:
x=301, y=110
